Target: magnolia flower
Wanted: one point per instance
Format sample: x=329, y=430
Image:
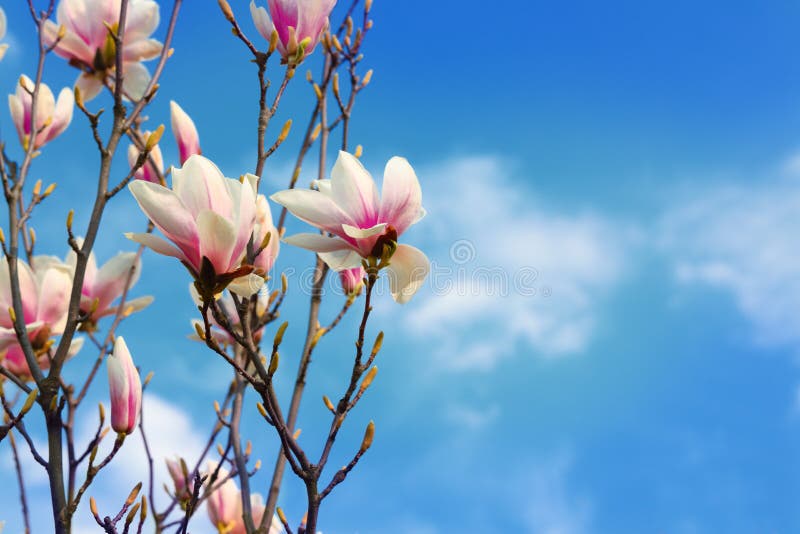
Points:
x=45, y=293
x=348, y=207
x=266, y=258
x=52, y=117
x=180, y=478
x=258, y=508
x=299, y=24
x=352, y=279
x=209, y=220
x=147, y=172
x=224, y=504
x=86, y=42
x=101, y=287
x=185, y=132
x=124, y=388
x=3, y=47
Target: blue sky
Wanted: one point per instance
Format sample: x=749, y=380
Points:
x=631, y=168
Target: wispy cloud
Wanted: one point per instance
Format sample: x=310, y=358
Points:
x=743, y=240
x=508, y=271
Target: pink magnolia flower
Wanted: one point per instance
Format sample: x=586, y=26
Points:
x=258, y=509
x=352, y=279
x=124, y=388
x=147, y=172
x=185, y=132
x=224, y=504
x=86, y=42
x=101, y=287
x=295, y=21
x=209, y=220
x=52, y=117
x=180, y=479
x=348, y=207
x=3, y=47
x=45, y=295
x=266, y=259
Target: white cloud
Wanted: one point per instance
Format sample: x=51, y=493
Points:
x=550, y=507
x=507, y=271
x=170, y=431
x=472, y=418
x=744, y=240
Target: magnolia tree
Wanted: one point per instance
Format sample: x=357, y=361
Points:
x=220, y=229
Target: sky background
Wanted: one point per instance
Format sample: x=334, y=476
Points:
x=609, y=340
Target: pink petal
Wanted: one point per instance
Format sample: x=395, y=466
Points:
x=169, y=214
x=315, y=208
x=200, y=185
x=401, y=203
x=408, y=269
x=353, y=189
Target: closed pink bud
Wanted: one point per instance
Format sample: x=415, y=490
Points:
x=183, y=487
x=352, y=279
x=125, y=389
x=147, y=172
x=185, y=132
x=296, y=21
x=52, y=117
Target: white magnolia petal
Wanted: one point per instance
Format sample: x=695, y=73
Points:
x=323, y=186
x=156, y=244
x=247, y=285
x=362, y=233
x=135, y=81
x=201, y=186
x=339, y=260
x=317, y=242
x=217, y=239
x=354, y=190
x=314, y=208
x=401, y=197
x=408, y=269
x=166, y=210
x=261, y=20
x=89, y=86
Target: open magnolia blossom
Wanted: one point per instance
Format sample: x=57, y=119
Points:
x=258, y=509
x=87, y=43
x=209, y=219
x=125, y=388
x=228, y=307
x=3, y=47
x=224, y=505
x=102, y=286
x=52, y=117
x=348, y=207
x=45, y=291
x=147, y=172
x=298, y=23
x=185, y=132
